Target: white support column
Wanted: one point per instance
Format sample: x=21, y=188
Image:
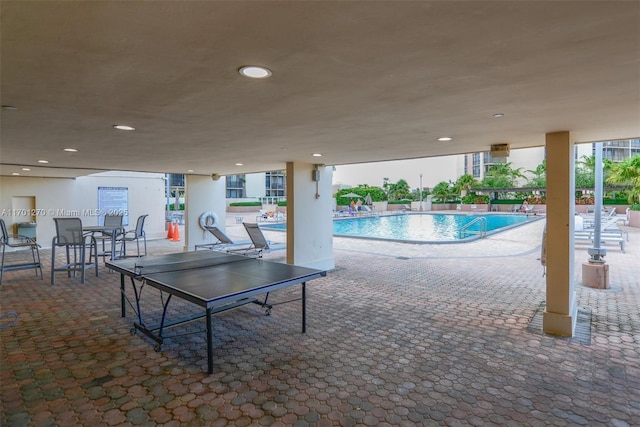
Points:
x=202, y=194
x=309, y=216
x=561, y=311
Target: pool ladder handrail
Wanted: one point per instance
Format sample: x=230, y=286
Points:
x=483, y=227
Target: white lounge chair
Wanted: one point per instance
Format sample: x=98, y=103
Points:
x=609, y=233
x=222, y=242
x=515, y=208
x=259, y=244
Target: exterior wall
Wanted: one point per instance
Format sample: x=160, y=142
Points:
x=583, y=150
x=203, y=195
x=527, y=159
x=78, y=197
x=255, y=185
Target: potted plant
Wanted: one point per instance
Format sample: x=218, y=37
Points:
x=634, y=215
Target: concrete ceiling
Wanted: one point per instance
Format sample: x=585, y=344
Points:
x=356, y=81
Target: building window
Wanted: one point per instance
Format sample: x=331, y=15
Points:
x=475, y=161
x=617, y=151
x=235, y=186
x=275, y=184
x=176, y=180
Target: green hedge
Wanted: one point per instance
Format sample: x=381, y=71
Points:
x=507, y=201
x=245, y=204
x=475, y=199
x=615, y=201
x=635, y=207
x=448, y=202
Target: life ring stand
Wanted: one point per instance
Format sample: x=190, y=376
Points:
x=208, y=219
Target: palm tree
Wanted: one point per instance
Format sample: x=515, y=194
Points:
x=442, y=191
x=627, y=172
x=539, y=175
x=585, y=171
x=400, y=190
x=465, y=183
x=386, y=187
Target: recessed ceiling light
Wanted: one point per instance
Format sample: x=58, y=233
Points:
x=43, y=161
x=124, y=127
x=317, y=155
x=445, y=139
x=70, y=150
x=239, y=164
x=189, y=170
x=498, y=115
x=255, y=72
x=15, y=173
x=26, y=169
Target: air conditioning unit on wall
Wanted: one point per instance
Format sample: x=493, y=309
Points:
x=500, y=150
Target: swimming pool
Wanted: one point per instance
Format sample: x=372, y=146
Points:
x=419, y=228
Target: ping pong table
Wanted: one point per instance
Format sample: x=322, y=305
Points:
x=215, y=281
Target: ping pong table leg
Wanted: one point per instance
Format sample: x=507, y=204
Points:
x=304, y=307
x=209, y=342
x=122, y=297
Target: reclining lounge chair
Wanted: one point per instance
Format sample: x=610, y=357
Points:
x=259, y=244
x=222, y=240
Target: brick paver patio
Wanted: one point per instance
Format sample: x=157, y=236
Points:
x=397, y=335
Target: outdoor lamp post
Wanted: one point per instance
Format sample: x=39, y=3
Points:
x=420, y=190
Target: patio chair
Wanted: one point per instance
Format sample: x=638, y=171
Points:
x=111, y=221
x=222, y=240
x=366, y=210
x=69, y=235
x=16, y=241
x=134, y=235
x=608, y=219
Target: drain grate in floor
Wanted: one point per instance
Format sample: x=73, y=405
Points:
x=582, y=334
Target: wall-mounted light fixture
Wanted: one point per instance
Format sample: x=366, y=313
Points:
x=315, y=176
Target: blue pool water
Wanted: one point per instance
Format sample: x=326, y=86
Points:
x=418, y=227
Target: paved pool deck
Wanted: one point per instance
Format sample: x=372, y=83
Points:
x=397, y=335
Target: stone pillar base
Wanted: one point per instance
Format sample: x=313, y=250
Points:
x=595, y=275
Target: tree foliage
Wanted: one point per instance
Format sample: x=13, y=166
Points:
x=627, y=172
x=502, y=175
x=539, y=178
x=465, y=183
x=443, y=191
x=585, y=176
x=398, y=191
x=377, y=194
